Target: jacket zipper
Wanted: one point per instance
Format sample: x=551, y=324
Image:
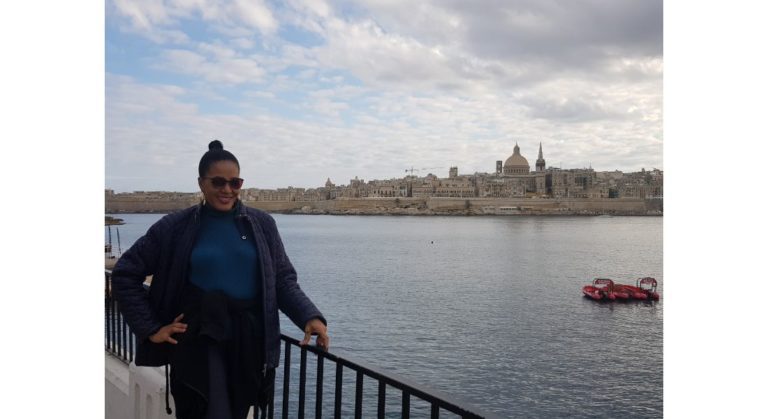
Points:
x=187, y=256
x=244, y=216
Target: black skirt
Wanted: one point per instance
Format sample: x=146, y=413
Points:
x=218, y=367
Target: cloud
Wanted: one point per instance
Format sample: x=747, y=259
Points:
x=143, y=14
x=214, y=64
x=495, y=42
x=377, y=57
x=532, y=29
x=243, y=43
x=260, y=94
x=314, y=8
x=256, y=14
x=328, y=108
x=148, y=16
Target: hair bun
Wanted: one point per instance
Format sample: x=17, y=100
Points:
x=215, y=145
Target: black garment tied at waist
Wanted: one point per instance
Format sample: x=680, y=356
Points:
x=236, y=326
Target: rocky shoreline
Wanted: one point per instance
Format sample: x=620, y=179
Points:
x=468, y=213
x=428, y=213
x=421, y=206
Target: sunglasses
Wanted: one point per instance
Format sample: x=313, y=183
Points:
x=219, y=182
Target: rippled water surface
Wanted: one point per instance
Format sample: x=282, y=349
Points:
x=486, y=308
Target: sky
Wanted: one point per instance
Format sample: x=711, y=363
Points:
x=305, y=90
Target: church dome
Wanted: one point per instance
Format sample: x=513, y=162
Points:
x=516, y=163
x=516, y=160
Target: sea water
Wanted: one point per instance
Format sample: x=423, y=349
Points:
x=486, y=308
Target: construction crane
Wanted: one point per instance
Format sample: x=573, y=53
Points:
x=423, y=168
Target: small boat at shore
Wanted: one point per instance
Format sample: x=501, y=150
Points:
x=109, y=257
x=113, y=221
x=604, y=289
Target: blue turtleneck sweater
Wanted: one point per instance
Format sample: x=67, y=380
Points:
x=221, y=259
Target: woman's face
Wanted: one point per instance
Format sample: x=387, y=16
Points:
x=223, y=198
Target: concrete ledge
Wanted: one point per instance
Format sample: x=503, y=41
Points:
x=147, y=392
x=133, y=392
x=116, y=389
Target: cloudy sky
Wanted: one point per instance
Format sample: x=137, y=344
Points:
x=305, y=90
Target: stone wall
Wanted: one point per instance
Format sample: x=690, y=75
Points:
x=421, y=206
x=141, y=206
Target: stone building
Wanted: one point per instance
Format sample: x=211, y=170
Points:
x=424, y=187
x=643, y=184
x=385, y=188
x=356, y=189
x=501, y=187
x=571, y=183
x=456, y=187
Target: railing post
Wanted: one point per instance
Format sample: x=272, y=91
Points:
x=359, y=395
x=113, y=318
x=337, y=396
x=319, y=389
x=302, y=381
x=107, y=328
x=131, y=346
x=382, y=398
x=286, y=378
x=119, y=347
x=406, y=413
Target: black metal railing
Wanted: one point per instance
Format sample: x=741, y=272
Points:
x=414, y=399
x=118, y=339
x=406, y=390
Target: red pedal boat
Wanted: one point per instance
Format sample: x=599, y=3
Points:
x=630, y=292
x=601, y=289
x=645, y=289
x=648, y=285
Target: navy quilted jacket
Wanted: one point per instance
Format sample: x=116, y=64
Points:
x=164, y=252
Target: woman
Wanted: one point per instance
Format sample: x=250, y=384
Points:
x=220, y=273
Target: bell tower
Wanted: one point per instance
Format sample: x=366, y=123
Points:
x=540, y=164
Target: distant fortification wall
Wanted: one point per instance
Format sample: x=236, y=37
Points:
x=141, y=206
x=420, y=206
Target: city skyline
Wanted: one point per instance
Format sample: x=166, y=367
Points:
x=414, y=172
x=302, y=91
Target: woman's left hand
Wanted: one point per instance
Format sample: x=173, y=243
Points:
x=316, y=327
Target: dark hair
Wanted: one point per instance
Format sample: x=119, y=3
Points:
x=215, y=153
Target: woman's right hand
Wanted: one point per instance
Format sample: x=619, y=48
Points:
x=165, y=332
